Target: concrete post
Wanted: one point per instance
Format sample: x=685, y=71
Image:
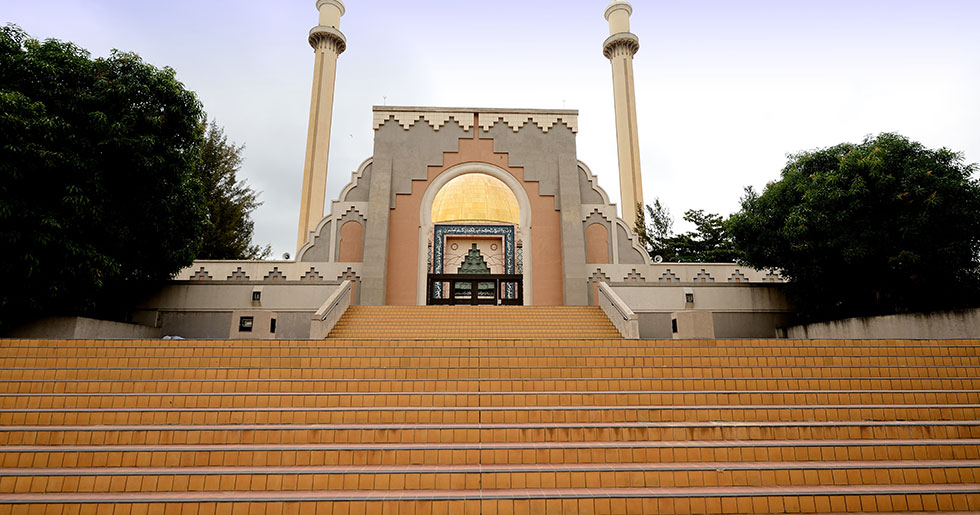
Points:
x=328, y=43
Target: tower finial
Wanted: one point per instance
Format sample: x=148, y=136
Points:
x=328, y=43
x=619, y=48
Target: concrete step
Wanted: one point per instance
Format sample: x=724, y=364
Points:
x=486, y=477
x=474, y=322
x=454, y=399
x=572, y=384
x=489, y=425
x=483, y=432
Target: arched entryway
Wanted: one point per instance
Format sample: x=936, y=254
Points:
x=475, y=206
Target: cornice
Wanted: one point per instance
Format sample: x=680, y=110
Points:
x=336, y=3
x=486, y=118
x=616, y=6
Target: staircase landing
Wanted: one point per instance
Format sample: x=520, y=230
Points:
x=474, y=322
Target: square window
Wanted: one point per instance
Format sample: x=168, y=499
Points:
x=245, y=324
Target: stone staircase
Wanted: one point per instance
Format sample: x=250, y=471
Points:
x=489, y=426
x=474, y=322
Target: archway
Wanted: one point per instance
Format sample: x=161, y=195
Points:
x=476, y=203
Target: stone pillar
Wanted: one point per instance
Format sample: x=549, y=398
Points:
x=619, y=48
x=328, y=43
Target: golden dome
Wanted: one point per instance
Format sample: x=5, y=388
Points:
x=475, y=197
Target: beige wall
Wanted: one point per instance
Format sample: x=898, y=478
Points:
x=693, y=325
x=747, y=297
x=84, y=328
x=938, y=325
x=261, y=325
x=720, y=310
x=211, y=309
x=211, y=295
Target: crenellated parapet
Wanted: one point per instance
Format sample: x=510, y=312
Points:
x=515, y=119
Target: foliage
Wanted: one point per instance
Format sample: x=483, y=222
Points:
x=654, y=233
x=709, y=242
x=884, y=226
x=228, y=201
x=98, y=199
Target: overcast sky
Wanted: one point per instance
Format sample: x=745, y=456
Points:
x=725, y=89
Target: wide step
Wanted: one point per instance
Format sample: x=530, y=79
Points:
x=558, y=424
x=477, y=322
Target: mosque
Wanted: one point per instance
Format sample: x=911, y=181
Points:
x=470, y=206
x=539, y=399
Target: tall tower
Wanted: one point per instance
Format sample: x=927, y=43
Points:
x=328, y=43
x=619, y=48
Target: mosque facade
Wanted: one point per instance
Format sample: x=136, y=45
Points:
x=450, y=192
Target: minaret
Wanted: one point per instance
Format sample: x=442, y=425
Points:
x=328, y=43
x=619, y=48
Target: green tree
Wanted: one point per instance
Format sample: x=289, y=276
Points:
x=884, y=226
x=657, y=230
x=98, y=199
x=709, y=242
x=228, y=201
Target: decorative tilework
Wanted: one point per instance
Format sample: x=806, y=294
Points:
x=439, y=240
x=312, y=275
x=737, y=277
x=634, y=277
x=201, y=275
x=771, y=277
x=238, y=275
x=348, y=275
x=516, y=121
x=703, y=277
x=275, y=275
x=436, y=120
x=599, y=276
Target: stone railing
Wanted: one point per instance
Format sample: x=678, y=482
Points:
x=330, y=312
x=619, y=313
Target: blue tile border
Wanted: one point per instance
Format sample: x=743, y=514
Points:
x=440, y=231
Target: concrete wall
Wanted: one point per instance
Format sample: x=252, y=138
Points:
x=747, y=297
x=738, y=310
x=212, y=295
x=83, y=328
x=937, y=325
x=654, y=325
x=211, y=309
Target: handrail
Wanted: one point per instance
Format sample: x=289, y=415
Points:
x=330, y=312
x=629, y=326
x=334, y=300
x=624, y=311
